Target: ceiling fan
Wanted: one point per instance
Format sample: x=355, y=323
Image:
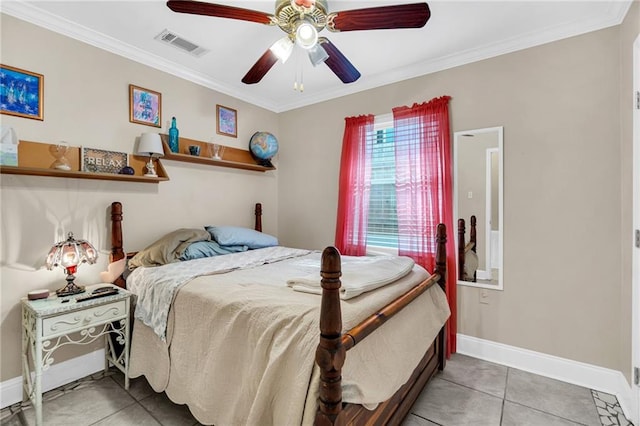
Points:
x=302, y=20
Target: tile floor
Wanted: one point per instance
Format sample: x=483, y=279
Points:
x=468, y=392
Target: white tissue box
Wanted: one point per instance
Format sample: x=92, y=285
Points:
x=8, y=147
x=8, y=154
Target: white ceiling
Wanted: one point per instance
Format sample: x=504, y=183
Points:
x=458, y=32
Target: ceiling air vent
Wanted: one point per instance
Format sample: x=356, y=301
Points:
x=175, y=40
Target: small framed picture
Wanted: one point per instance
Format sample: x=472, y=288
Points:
x=226, y=121
x=21, y=93
x=145, y=106
x=101, y=161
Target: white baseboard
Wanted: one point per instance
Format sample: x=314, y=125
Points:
x=566, y=370
x=55, y=376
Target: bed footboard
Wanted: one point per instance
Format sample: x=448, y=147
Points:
x=333, y=345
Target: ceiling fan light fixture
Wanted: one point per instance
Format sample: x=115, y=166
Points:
x=317, y=55
x=306, y=35
x=282, y=48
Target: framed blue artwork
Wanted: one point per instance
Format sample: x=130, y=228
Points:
x=21, y=93
x=145, y=106
x=226, y=121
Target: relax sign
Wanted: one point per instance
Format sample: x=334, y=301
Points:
x=101, y=161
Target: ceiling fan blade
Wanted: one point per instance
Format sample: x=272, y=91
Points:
x=218, y=10
x=260, y=68
x=338, y=63
x=413, y=15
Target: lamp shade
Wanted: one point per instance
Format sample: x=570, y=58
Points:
x=282, y=48
x=150, y=144
x=306, y=35
x=317, y=55
x=70, y=253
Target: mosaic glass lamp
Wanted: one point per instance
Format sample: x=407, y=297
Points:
x=69, y=254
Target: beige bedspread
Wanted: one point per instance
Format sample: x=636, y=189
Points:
x=240, y=346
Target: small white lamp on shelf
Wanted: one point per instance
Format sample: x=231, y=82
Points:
x=150, y=144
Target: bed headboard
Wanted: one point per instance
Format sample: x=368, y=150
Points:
x=117, y=251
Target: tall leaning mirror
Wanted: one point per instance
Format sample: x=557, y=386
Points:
x=478, y=189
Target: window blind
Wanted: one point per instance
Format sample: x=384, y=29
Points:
x=391, y=149
x=382, y=228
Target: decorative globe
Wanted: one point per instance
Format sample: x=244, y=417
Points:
x=263, y=146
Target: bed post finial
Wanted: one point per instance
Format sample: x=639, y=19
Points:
x=258, y=213
x=330, y=354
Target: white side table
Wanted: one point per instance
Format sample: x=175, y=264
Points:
x=48, y=324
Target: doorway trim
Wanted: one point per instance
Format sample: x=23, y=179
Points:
x=635, y=253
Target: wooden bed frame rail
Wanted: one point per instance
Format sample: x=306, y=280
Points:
x=333, y=345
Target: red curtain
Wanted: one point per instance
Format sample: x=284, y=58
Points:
x=424, y=190
x=354, y=186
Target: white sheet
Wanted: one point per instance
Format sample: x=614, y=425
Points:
x=359, y=274
x=156, y=286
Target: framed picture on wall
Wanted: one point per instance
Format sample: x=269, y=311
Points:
x=145, y=106
x=226, y=121
x=21, y=93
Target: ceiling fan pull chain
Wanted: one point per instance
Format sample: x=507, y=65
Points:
x=295, y=72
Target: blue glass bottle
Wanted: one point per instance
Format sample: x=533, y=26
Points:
x=174, y=144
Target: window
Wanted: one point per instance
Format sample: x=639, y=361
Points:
x=382, y=228
x=401, y=213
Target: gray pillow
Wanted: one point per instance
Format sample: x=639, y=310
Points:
x=169, y=248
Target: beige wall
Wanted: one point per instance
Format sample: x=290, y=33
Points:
x=86, y=103
x=567, y=179
x=559, y=105
x=629, y=31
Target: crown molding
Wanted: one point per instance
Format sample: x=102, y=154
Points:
x=44, y=19
x=615, y=16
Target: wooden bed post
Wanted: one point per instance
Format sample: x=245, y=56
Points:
x=472, y=233
x=472, y=239
x=258, y=213
x=330, y=354
x=117, y=252
x=461, y=248
x=116, y=232
x=441, y=269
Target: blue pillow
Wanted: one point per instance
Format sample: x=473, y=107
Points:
x=202, y=249
x=235, y=235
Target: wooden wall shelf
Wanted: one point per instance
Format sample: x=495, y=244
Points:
x=232, y=157
x=34, y=159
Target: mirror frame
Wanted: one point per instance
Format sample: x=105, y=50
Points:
x=456, y=141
